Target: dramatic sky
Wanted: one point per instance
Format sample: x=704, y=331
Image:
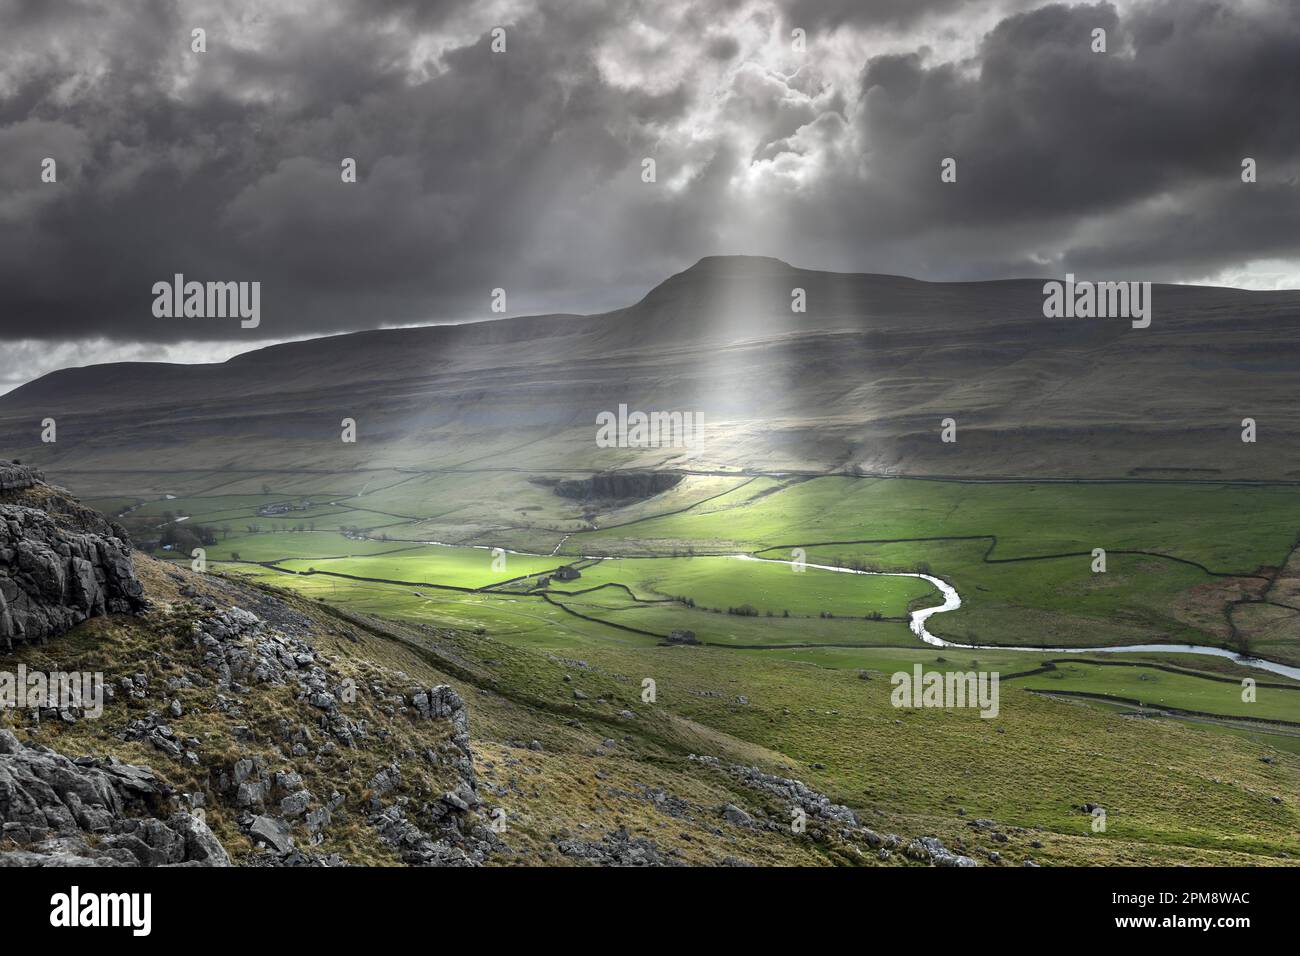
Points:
x=522, y=169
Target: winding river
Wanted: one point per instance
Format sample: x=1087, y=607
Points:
x=952, y=601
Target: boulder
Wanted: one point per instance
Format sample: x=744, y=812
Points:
x=931, y=850
x=271, y=832
x=15, y=477
x=733, y=814
x=92, y=812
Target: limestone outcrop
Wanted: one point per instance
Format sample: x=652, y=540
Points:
x=89, y=812
x=52, y=578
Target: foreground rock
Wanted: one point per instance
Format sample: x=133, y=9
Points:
x=246, y=651
x=617, y=848
x=15, y=477
x=52, y=579
x=215, y=660
x=930, y=850
x=60, y=812
x=823, y=817
x=25, y=486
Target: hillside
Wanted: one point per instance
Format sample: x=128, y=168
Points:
x=244, y=724
x=861, y=381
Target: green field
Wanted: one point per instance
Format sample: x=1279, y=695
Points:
x=1157, y=688
x=799, y=663
x=1230, y=528
x=718, y=583
x=432, y=565
x=1019, y=555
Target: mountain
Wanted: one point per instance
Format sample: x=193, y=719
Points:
x=859, y=381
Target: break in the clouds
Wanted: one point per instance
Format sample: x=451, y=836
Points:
x=522, y=169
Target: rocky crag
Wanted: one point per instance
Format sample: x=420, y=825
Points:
x=26, y=487
x=282, y=792
x=15, y=477
x=223, y=734
x=90, y=812
x=52, y=578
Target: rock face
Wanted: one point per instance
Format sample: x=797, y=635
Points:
x=24, y=486
x=443, y=703
x=15, y=477
x=60, y=812
x=52, y=579
x=449, y=846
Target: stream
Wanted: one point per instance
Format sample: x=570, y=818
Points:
x=952, y=601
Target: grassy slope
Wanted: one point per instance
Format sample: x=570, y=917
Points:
x=910, y=770
x=915, y=768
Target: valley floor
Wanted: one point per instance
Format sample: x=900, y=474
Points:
x=792, y=670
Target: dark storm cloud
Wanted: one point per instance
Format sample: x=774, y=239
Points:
x=1048, y=134
x=1124, y=163
x=816, y=14
x=1047, y=127
x=522, y=170
x=723, y=47
x=242, y=180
